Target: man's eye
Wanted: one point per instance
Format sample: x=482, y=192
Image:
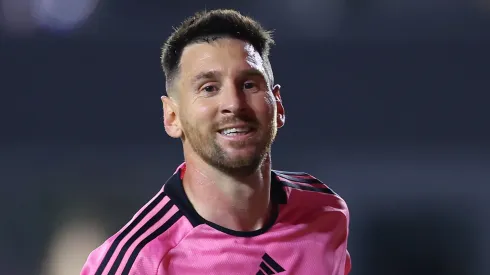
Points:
x=210, y=89
x=249, y=85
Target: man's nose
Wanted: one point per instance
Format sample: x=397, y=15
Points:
x=233, y=100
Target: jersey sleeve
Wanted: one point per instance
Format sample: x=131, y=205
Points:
x=140, y=245
x=320, y=196
x=342, y=255
x=347, y=262
x=95, y=258
x=340, y=233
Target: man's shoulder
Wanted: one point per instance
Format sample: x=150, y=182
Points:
x=309, y=191
x=303, y=181
x=150, y=234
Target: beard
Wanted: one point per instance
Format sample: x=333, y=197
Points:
x=205, y=144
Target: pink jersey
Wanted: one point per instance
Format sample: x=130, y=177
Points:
x=306, y=235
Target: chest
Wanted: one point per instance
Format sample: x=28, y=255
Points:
x=285, y=249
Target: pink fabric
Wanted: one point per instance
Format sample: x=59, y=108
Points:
x=301, y=243
x=309, y=237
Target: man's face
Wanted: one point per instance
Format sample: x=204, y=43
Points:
x=228, y=114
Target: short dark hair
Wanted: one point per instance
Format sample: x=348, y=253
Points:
x=207, y=26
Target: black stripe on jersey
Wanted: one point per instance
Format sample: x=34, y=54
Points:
x=272, y=263
x=266, y=268
x=140, y=232
x=325, y=190
x=260, y=272
x=310, y=180
x=291, y=173
x=148, y=239
x=126, y=231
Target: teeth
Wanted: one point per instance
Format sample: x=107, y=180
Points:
x=233, y=131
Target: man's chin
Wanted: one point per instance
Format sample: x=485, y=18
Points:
x=241, y=170
x=242, y=164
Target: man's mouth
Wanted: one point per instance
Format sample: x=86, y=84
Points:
x=236, y=131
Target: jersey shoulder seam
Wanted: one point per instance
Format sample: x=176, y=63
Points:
x=177, y=244
x=303, y=181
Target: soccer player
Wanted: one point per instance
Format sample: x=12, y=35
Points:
x=225, y=211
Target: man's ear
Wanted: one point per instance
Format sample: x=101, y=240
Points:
x=170, y=117
x=281, y=115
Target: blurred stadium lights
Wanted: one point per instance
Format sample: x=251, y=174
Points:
x=63, y=14
x=16, y=16
x=71, y=245
x=21, y=16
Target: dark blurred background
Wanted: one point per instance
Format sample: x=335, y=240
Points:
x=386, y=101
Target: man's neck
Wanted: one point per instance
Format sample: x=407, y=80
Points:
x=240, y=204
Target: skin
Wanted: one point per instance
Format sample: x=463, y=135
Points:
x=222, y=84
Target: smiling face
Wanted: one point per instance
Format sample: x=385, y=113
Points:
x=225, y=112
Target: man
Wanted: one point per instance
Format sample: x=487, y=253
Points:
x=224, y=211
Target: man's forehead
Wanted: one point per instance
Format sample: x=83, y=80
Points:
x=218, y=55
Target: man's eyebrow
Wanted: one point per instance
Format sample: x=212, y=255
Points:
x=252, y=72
x=205, y=75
